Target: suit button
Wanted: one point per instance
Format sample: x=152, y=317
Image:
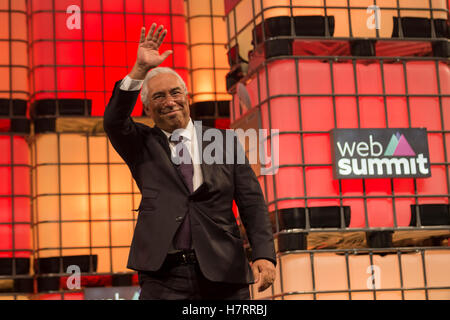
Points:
x=179, y=219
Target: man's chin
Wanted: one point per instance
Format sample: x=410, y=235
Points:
x=172, y=123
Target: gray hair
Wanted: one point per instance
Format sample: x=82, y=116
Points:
x=154, y=72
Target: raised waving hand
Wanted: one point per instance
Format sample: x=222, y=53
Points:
x=148, y=55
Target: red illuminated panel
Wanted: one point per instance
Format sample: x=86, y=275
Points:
x=62, y=296
x=306, y=100
x=428, y=78
x=85, y=63
x=346, y=106
x=372, y=113
x=88, y=281
x=352, y=190
x=229, y=5
x=235, y=209
x=222, y=123
x=14, y=197
x=397, y=107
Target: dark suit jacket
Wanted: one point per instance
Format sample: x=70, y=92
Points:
x=166, y=199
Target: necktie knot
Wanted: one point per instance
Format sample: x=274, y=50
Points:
x=176, y=139
x=182, y=153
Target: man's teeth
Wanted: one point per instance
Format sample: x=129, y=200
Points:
x=166, y=112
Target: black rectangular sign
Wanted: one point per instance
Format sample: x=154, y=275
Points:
x=380, y=153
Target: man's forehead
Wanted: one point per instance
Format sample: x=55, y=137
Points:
x=163, y=82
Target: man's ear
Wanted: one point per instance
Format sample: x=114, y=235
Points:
x=148, y=111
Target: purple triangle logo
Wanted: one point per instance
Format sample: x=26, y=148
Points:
x=403, y=148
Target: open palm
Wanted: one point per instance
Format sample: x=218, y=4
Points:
x=148, y=55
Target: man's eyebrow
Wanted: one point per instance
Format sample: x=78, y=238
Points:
x=162, y=92
x=157, y=93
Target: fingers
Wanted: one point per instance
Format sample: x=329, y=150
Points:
x=264, y=272
x=150, y=32
x=155, y=36
x=157, y=33
x=161, y=37
x=256, y=273
x=142, y=38
x=266, y=282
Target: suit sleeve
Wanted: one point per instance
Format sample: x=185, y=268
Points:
x=120, y=127
x=253, y=210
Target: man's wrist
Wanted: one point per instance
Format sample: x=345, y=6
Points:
x=138, y=72
x=130, y=84
x=267, y=259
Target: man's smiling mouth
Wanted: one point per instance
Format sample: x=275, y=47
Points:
x=170, y=111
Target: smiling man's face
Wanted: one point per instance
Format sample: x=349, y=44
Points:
x=167, y=102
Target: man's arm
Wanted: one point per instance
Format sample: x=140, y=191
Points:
x=119, y=126
x=254, y=215
x=117, y=121
x=253, y=212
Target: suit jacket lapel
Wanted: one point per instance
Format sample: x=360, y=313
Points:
x=162, y=139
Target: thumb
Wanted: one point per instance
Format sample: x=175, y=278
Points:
x=166, y=54
x=256, y=273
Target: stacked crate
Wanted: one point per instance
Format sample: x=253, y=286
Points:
x=83, y=208
x=307, y=69
x=15, y=166
x=208, y=63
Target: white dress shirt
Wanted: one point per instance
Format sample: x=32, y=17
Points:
x=129, y=84
x=191, y=143
x=189, y=133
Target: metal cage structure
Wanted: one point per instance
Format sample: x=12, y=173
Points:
x=208, y=63
x=308, y=69
x=305, y=68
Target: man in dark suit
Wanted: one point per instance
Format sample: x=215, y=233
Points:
x=186, y=243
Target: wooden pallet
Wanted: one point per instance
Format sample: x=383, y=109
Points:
x=354, y=240
x=91, y=125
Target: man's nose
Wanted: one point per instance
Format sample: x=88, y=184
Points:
x=170, y=101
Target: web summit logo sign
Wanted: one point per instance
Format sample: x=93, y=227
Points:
x=380, y=153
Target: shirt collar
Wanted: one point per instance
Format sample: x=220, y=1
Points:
x=185, y=133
